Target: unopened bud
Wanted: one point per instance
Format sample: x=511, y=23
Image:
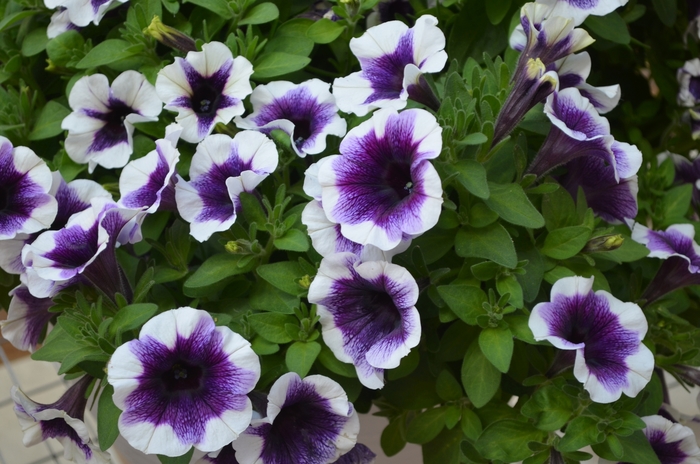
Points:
x=232, y=247
x=305, y=282
x=170, y=36
x=604, y=243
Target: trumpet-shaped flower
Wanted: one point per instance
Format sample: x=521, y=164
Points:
x=27, y=319
x=183, y=382
x=367, y=312
x=689, y=81
x=307, y=112
x=221, y=169
x=101, y=126
x=579, y=10
x=605, y=332
x=573, y=72
x=309, y=421
x=673, y=443
x=384, y=52
x=205, y=88
x=383, y=187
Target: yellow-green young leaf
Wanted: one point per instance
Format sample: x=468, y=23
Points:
x=49, y=122
x=325, y=31
x=425, y=426
x=278, y=64
x=301, y=356
x=261, y=14
x=507, y=440
x=497, y=345
x=479, y=377
x=215, y=269
x=492, y=243
x=107, y=418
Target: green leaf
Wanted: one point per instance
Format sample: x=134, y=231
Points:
x=325, y=31
x=252, y=209
x=301, y=356
x=471, y=424
x=477, y=138
x=13, y=18
x=558, y=209
x=630, y=251
x=638, y=450
x=580, y=432
x=260, y=14
x=464, y=300
x=509, y=284
x=132, y=316
x=107, y=52
x=293, y=240
x=60, y=49
x=49, y=122
x=565, y=242
x=610, y=27
x=511, y=203
x=291, y=37
x=283, y=275
x=485, y=271
x=496, y=10
x=492, y=242
x=392, y=439
x=57, y=346
x=278, y=64
x=220, y=7
x=666, y=9
x=472, y=175
x=107, y=418
x=35, y=42
x=550, y=407
x=479, y=377
x=330, y=362
x=215, y=269
x=425, y=426
x=270, y=326
x=444, y=448
x=265, y=297
x=85, y=353
x=184, y=459
x=676, y=201
x=497, y=345
x=507, y=440
x=447, y=386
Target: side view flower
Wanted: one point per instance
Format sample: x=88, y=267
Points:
x=672, y=442
x=27, y=318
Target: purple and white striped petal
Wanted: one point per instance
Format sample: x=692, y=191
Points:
x=579, y=10
x=677, y=240
x=101, y=126
x=384, y=51
x=368, y=314
x=307, y=112
x=183, y=383
x=83, y=12
x=308, y=421
x=62, y=420
x=205, y=88
x=25, y=204
x=606, y=333
x=60, y=23
x=673, y=443
x=689, y=81
x=27, y=319
x=221, y=169
x=573, y=72
x=383, y=187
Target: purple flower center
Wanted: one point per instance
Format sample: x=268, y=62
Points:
x=398, y=177
x=205, y=96
x=114, y=131
x=386, y=72
x=74, y=246
x=182, y=376
x=302, y=131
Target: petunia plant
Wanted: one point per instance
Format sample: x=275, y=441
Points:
x=237, y=227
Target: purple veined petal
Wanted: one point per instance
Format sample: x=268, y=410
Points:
x=579, y=10
x=368, y=314
x=605, y=332
x=27, y=319
x=383, y=186
x=676, y=240
x=573, y=70
x=307, y=112
x=74, y=197
x=83, y=12
x=11, y=253
x=673, y=443
x=360, y=454
x=226, y=455
x=308, y=421
x=689, y=83
x=183, y=383
x=573, y=114
x=205, y=88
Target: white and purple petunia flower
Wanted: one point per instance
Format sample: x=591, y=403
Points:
x=25, y=203
x=672, y=442
x=205, y=88
x=605, y=332
x=307, y=112
x=687, y=170
x=101, y=126
x=689, y=83
x=384, y=52
x=222, y=168
x=83, y=12
x=308, y=421
x=573, y=72
x=382, y=187
x=62, y=420
x=367, y=312
x=579, y=10
x=60, y=23
x=183, y=383
x=27, y=319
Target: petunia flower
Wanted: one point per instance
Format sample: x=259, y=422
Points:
x=687, y=170
x=673, y=443
x=308, y=421
x=62, y=420
x=579, y=10
x=101, y=126
x=60, y=23
x=384, y=52
x=605, y=333
x=693, y=19
x=26, y=205
x=368, y=313
x=183, y=383
x=27, y=319
x=83, y=12
x=689, y=83
x=221, y=169
x=382, y=186
x=307, y=112
x=573, y=72
x=205, y=88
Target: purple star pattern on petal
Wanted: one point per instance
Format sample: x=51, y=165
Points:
x=673, y=443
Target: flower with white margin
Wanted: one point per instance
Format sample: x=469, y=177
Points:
x=25, y=204
x=579, y=10
x=384, y=53
x=183, y=383
x=605, y=333
x=205, y=88
x=60, y=23
x=687, y=171
x=367, y=312
x=308, y=421
x=101, y=126
x=62, y=420
x=222, y=168
x=672, y=442
x=689, y=81
x=573, y=72
x=27, y=319
x=83, y=12
x=149, y=181
x=382, y=186
x=307, y=112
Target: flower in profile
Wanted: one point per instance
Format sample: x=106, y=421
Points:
x=101, y=126
x=170, y=36
x=579, y=10
x=673, y=443
x=25, y=205
x=573, y=72
x=384, y=52
x=308, y=421
x=382, y=186
x=205, y=88
x=605, y=333
x=368, y=313
x=183, y=383
x=62, y=420
x=689, y=81
x=27, y=319
x=222, y=168
x=307, y=112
